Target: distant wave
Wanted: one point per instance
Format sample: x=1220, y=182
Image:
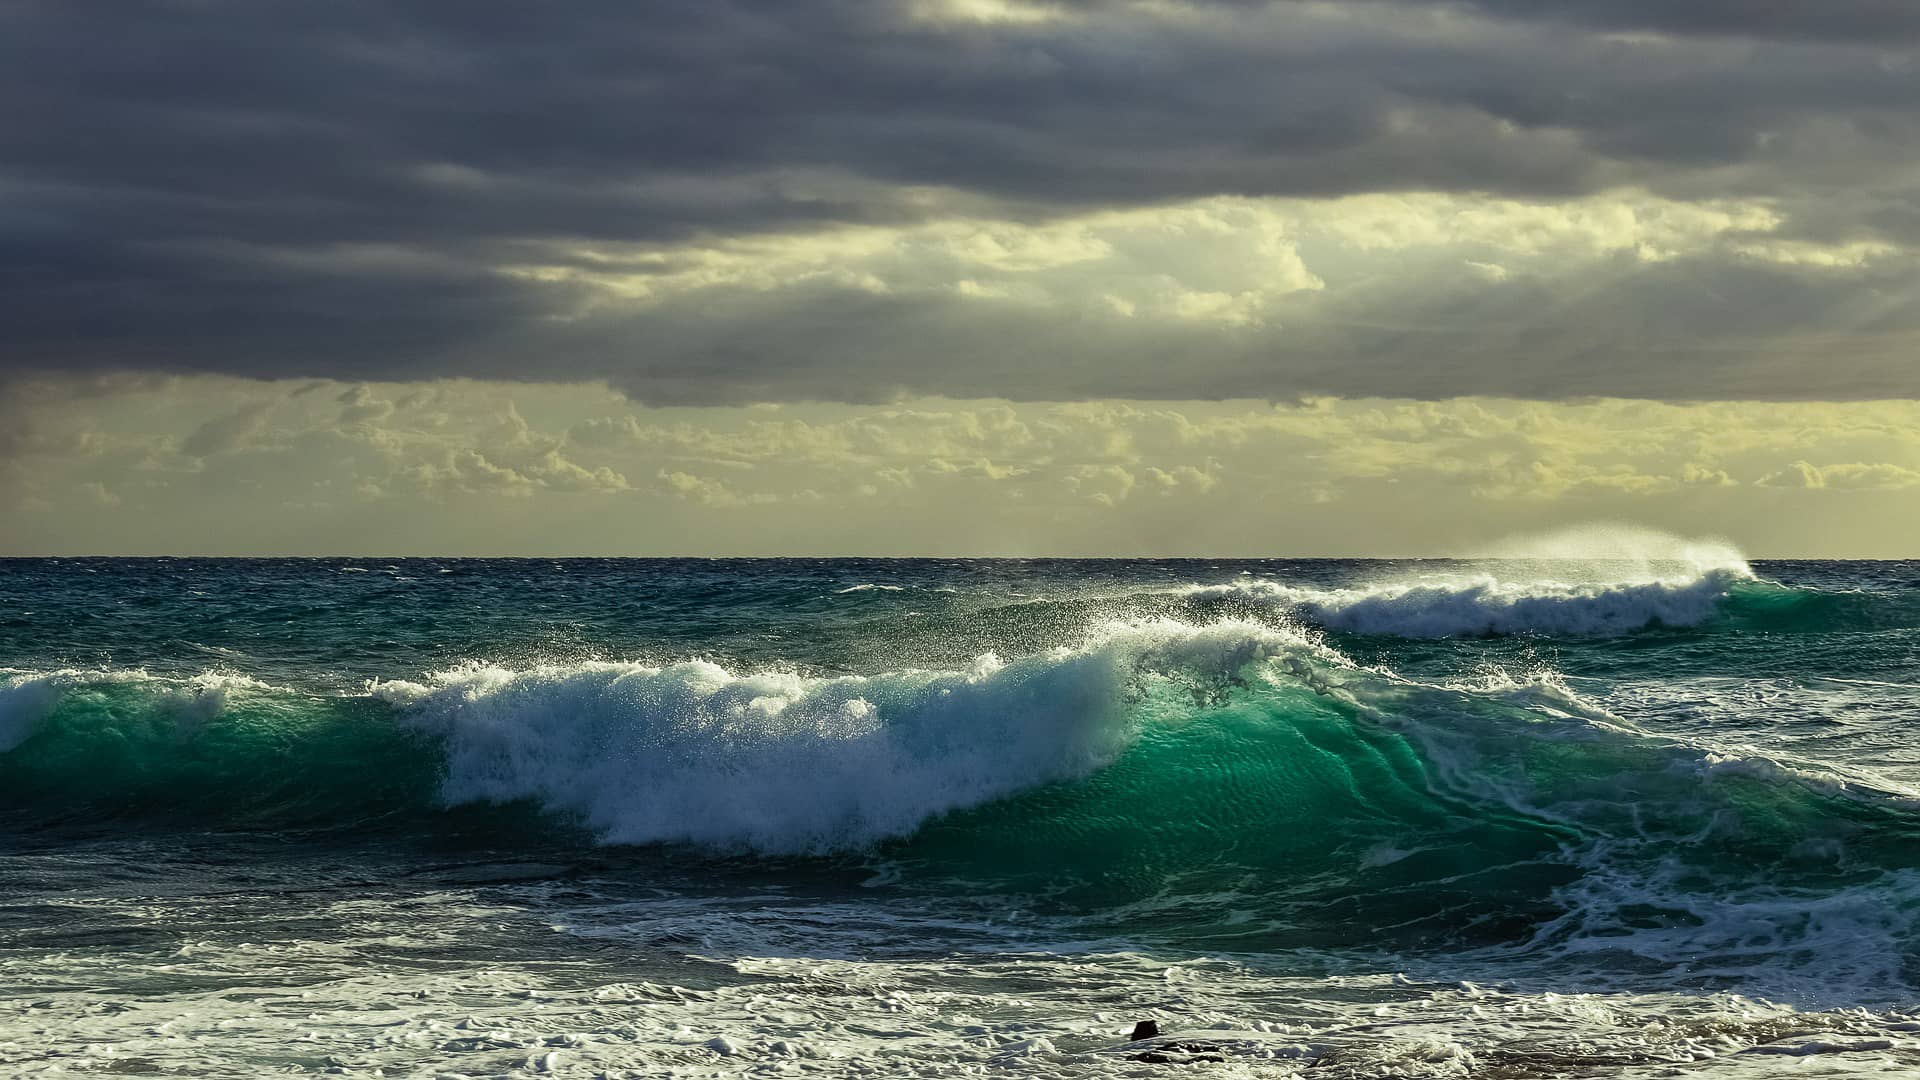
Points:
x=1485, y=604
x=1598, y=579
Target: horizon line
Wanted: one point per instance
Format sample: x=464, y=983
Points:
x=967, y=558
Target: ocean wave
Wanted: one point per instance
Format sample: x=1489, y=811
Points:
x=1230, y=783
x=771, y=761
x=1600, y=579
x=783, y=763
x=1481, y=604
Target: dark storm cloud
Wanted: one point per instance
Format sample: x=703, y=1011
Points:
x=1874, y=21
x=274, y=188
x=1881, y=22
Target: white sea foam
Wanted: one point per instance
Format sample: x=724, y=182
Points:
x=1616, y=551
x=807, y=989
x=782, y=763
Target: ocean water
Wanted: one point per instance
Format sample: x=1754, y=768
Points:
x=1627, y=811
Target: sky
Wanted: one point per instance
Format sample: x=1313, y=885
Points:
x=956, y=277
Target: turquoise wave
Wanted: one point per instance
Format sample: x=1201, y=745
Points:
x=1228, y=784
x=87, y=746
x=1769, y=606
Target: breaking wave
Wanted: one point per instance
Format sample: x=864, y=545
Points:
x=783, y=763
x=1230, y=783
x=1597, y=580
x=773, y=762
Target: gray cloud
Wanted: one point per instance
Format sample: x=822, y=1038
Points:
x=1875, y=21
x=1676, y=332
x=224, y=434
x=281, y=190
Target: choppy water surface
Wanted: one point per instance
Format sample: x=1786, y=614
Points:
x=1617, y=816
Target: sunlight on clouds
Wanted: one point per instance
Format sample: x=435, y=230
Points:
x=1227, y=261
x=986, y=11
x=1218, y=259
x=1651, y=228
x=1852, y=475
x=209, y=464
x=1824, y=256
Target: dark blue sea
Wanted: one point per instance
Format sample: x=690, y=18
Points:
x=1635, y=813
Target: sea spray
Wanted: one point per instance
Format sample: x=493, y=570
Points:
x=1616, y=551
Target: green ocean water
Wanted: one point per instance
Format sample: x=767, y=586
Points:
x=1534, y=816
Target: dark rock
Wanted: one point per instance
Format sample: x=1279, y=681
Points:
x=1145, y=1029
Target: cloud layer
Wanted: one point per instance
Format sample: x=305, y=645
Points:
x=733, y=201
x=225, y=466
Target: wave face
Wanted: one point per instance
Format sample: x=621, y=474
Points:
x=1513, y=815
x=213, y=747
